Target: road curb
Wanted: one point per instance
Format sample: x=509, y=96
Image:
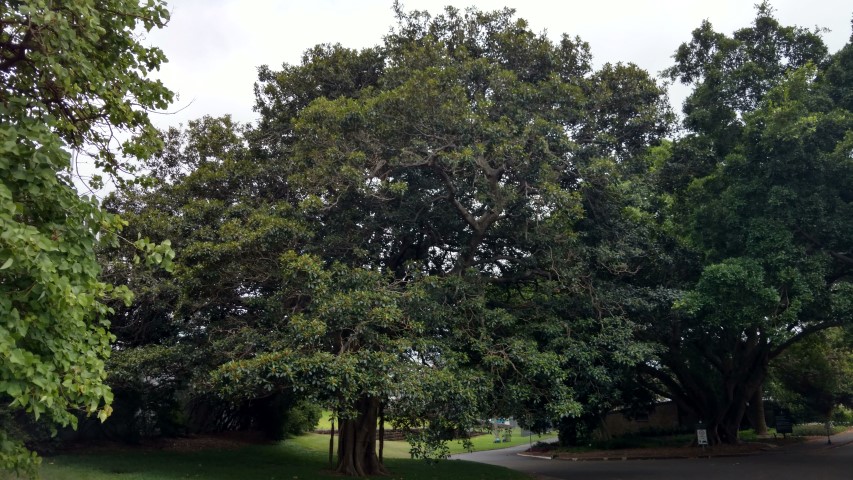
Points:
x=661, y=457
x=626, y=458
x=839, y=445
x=543, y=457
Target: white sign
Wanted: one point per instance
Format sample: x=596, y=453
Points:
x=702, y=436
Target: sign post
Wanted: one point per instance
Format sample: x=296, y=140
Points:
x=784, y=425
x=701, y=435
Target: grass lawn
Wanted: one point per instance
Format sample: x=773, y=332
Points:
x=640, y=440
x=401, y=449
x=817, y=429
x=325, y=423
x=800, y=430
x=305, y=457
x=319, y=444
x=486, y=442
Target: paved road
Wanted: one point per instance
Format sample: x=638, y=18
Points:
x=808, y=461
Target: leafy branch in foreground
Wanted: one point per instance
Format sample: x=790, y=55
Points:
x=73, y=77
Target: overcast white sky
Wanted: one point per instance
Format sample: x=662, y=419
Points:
x=215, y=46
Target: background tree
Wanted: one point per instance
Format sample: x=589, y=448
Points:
x=813, y=377
x=760, y=200
x=73, y=72
x=225, y=213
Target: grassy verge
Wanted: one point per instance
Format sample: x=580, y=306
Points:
x=640, y=441
x=817, y=429
x=801, y=430
x=325, y=422
x=487, y=442
x=319, y=444
x=398, y=449
x=304, y=457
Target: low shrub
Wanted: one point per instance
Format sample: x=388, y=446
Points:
x=816, y=429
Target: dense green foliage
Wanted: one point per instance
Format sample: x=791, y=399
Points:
x=814, y=376
x=80, y=66
x=422, y=221
x=71, y=70
x=761, y=206
x=465, y=221
x=470, y=220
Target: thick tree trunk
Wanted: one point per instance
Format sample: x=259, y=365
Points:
x=381, y=433
x=718, y=388
x=723, y=424
x=568, y=432
x=727, y=430
x=357, y=441
x=734, y=406
x=332, y=444
x=755, y=413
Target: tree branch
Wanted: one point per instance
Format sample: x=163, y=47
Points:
x=803, y=334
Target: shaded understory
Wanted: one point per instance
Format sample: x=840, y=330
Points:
x=302, y=458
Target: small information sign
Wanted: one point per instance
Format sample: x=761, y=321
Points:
x=702, y=437
x=784, y=424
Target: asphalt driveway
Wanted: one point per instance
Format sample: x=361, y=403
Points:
x=812, y=460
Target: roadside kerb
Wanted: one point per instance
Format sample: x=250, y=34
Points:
x=650, y=456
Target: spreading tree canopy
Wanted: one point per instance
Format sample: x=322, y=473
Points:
x=404, y=234
x=443, y=186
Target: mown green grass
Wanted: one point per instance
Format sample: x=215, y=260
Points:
x=800, y=430
x=305, y=457
x=641, y=440
x=817, y=429
x=487, y=442
x=325, y=422
x=316, y=443
x=313, y=444
x=398, y=449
